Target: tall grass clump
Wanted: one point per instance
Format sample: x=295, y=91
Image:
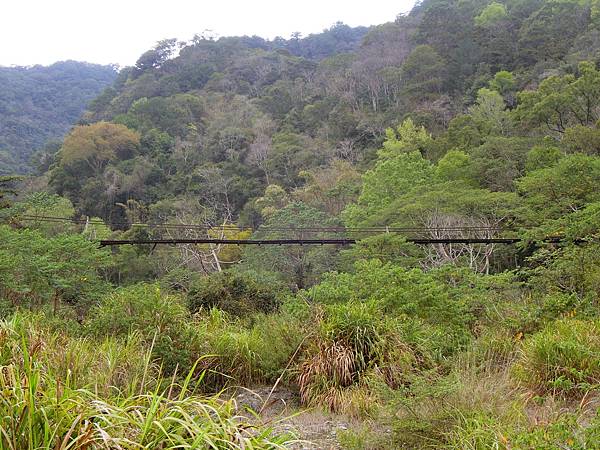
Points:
x=353, y=348
x=255, y=350
x=562, y=359
x=103, y=365
x=39, y=410
x=469, y=407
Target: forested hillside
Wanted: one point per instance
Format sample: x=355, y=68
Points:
x=462, y=120
x=40, y=104
x=246, y=114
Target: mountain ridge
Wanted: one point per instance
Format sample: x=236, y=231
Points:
x=40, y=103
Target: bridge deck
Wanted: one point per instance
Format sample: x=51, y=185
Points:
x=341, y=241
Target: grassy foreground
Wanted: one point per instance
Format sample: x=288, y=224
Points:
x=60, y=392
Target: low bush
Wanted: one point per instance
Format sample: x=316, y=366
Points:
x=463, y=409
x=561, y=305
x=399, y=292
x=233, y=350
x=569, y=269
x=564, y=432
x=239, y=294
x=162, y=320
x=568, y=431
x=563, y=358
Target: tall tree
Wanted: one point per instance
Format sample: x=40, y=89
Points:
x=96, y=145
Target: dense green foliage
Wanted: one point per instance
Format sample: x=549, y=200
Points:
x=223, y=119
x=463, y=119
x=39, y=104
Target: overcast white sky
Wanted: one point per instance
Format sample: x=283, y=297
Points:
x=118, y=31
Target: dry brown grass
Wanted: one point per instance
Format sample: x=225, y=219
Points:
x=324, y=376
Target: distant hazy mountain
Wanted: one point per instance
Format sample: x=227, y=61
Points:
x=38, y=104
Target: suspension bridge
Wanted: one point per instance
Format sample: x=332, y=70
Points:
x=264, y=235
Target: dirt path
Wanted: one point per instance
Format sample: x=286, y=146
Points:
x=317, y=429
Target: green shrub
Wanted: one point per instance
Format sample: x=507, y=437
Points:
x=162, y=320
x=571, y=269
x=531, y=311
x=239, y=294
x=37, y=271
x=566, y=432
x=563, y=358
x=560, y=305
x=399, y=292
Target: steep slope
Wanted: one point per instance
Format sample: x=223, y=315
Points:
x=219, y=120
x=39, y=103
